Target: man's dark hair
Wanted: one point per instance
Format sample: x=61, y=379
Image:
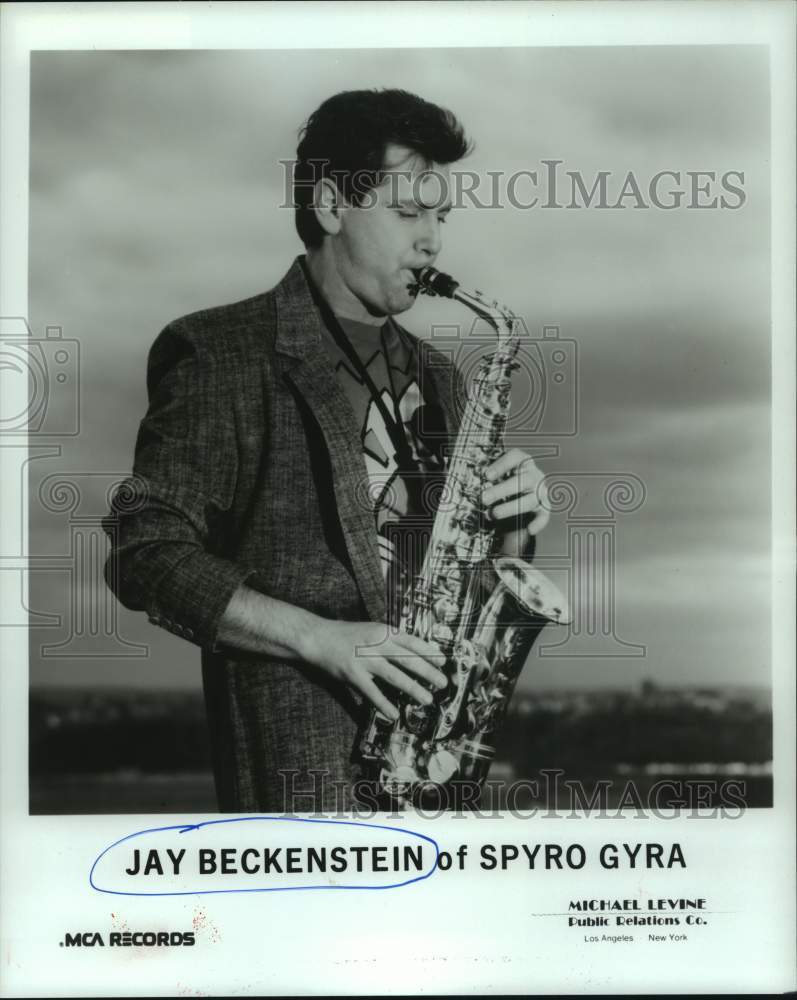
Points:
x=346, y=139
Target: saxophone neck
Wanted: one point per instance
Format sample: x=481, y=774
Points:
x=430, y=281
x=498, y=316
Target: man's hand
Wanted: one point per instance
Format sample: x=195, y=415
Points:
x=357, y=652
x=352, y=652
x=516, y=500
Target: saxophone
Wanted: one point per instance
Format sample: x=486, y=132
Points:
x=484, y=612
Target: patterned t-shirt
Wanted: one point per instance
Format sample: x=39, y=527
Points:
x=402, y=490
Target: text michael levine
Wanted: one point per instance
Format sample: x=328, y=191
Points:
x=403, y=859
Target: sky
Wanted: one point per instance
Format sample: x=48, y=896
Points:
x=155, y=190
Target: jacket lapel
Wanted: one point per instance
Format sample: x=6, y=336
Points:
x=305, y=364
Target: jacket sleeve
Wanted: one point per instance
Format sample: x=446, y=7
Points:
x=168, y=521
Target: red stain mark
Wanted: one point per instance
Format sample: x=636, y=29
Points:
x=119, y=923
x=202, y=924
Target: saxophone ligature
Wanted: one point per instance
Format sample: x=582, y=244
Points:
x=484, y=611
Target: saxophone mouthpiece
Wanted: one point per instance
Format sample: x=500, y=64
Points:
x=430, y=281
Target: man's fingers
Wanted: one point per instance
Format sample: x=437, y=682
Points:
x=541, y=515
x=419, y=657
x=420, y=668
x=429, y=650
x=377, y=699
x=528, y=504
x=542, y=518
x=530, y=499
x=526, y=481
x=521, y=496
x=396, y=676
x=505, y=463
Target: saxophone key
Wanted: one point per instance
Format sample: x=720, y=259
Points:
x=469, y=522
x=442, y=766
x=442, y=634
x=417, y=718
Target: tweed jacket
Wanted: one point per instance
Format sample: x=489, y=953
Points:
x=249, y=469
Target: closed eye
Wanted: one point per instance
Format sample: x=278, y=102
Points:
x=404, y=213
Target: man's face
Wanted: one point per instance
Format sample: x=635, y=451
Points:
x=395, y=229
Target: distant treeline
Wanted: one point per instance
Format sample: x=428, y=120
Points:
x=72, y=733
x=680, y=728
x=101, y=732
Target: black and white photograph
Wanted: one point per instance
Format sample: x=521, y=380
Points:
x=395, y=436
x=258, y=369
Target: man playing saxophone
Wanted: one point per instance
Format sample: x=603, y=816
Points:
x=281, y=469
